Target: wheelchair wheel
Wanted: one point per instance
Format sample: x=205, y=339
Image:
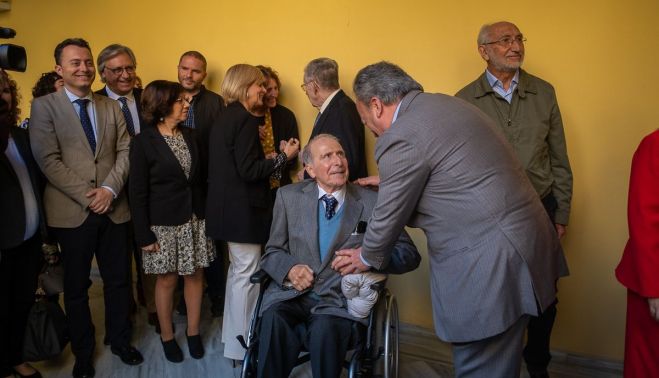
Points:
x=391, y=339
x=386, y=338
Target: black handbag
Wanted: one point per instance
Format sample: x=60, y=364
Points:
x=51, y=279
x=46, y=333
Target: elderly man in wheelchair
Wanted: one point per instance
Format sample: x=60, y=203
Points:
x=312, y=220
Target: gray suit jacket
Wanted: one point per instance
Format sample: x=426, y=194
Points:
x=62, y=152
x=294, y=240
x=494, y=254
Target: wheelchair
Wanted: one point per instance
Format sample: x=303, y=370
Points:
x=376, y=354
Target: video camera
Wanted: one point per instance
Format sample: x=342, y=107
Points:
x=12, y=57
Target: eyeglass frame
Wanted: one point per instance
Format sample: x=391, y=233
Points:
x=507, y=41
x=303, y=86
x=117, y=71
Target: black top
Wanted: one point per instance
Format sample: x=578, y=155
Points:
x=239, y=206
x=342, y=120
x=12, y=205
x=284, y=127
x=160, y=194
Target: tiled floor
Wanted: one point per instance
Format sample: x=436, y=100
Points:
x=422, y=355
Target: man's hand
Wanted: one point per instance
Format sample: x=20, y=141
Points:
x=561, y=229
x=348, y=261
x=372, y=182
x=155, y=247
x=301, y=276
x=654, y=308
x=101, y=201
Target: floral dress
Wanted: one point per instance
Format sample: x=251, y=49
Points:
x=184, y=248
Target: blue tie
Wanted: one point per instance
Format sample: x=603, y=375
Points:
x=130, y=126
x=86, y=122
x=330, y=205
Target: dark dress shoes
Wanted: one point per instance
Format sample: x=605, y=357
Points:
x=83, y=369
x=128, y=354
x=173, y=352
x=195, y=347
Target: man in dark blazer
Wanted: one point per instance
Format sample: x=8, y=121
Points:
x=445, y=168
x=298, y=254
x=117, y=66
x=205, y=107
x=80, y=142
x=337, y=113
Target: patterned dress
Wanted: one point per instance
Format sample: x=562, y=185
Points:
x=184, y=248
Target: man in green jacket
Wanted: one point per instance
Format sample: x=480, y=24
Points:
x=526, y=110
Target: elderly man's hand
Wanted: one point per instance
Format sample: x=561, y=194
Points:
x=301, y=276
x=348, y=261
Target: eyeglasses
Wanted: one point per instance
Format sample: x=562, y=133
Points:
x=183, y=100
x=508, y=41
x=304, y=85
x=119, y=70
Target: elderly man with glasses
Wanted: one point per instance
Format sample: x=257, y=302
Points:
x=526, y=110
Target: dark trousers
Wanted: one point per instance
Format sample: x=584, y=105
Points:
x=19, y=269
x=327, y=338
x=536, y=351
x=96, y=236
x=216, y=273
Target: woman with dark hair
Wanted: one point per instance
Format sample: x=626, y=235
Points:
x=21, y=233
x=48, y=83
x=239, y=206
x=167, y=201
x=279, y=126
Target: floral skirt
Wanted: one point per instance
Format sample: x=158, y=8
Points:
x=183, y=249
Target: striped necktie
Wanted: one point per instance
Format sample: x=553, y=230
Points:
x=130, y=126
x=86, y=123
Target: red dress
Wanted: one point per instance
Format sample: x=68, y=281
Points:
x=639, y=268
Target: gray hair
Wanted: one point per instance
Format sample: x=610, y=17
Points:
x=483, y=34
x=324, y=71
x=111, y=52
x=383, y=80
x=307, y=159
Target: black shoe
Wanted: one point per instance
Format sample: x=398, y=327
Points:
x=217, y=306
x=538, y=373
x=172, y=351
x=83, y=369
x=195, y=347
x=128, y=354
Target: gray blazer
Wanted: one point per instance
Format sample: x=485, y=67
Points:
x=494, y=254
x=62, y=152
x=294, y=240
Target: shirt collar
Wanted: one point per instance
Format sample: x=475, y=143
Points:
x=115, y=96
x=328, y=100
x=396, y=112
x=339, y=195
x=73, y=97
x=494, y=82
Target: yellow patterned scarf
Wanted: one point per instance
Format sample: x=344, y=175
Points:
x=268, y=144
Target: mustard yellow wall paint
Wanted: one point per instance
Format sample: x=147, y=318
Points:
x=600, y=55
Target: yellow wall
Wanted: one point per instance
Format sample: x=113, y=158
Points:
x=600, y=55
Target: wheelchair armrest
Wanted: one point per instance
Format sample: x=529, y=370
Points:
x=259, y=277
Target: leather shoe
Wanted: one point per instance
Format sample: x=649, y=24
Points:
x=128, y=354
x=83, y=369
x=173, y=352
